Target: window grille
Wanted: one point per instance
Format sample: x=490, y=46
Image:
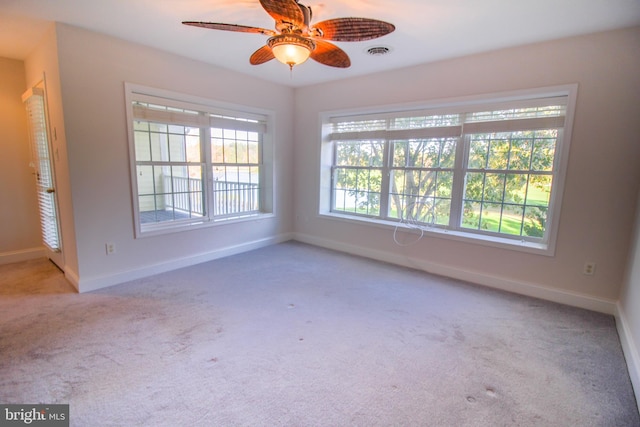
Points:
x=194, y=164
x=490, y=169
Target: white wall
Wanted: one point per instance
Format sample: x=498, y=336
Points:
x=601, y=183
x=93, y=69
x=20, y=236
x=628, y=320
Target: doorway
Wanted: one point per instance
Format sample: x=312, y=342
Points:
x=44, y=171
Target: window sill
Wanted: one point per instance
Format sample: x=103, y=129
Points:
x=435, y=232
x=179, y=227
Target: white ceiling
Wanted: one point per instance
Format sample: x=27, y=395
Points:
x=426, y=30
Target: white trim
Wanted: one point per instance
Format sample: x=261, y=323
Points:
x=573, y=299
x=443, y=233
x=630, y=349
x=95, y=283
x=22, y=255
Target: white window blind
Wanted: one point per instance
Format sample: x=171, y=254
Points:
x=545, y=113
x=35, y=104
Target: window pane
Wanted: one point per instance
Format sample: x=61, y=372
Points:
x=217, y=147
x=360, y=153
x=422, y=153
x=444, y=185
x=478, y=152
x=242, y=151
x=474, y=186
x=442, y=211
x=518, y=197
x=511, y=221
x=539, y=190
x=193, y=145
x=145, y=180
x=159, y=147
x=177, y=148
x=448, y=153
x=358, y=190
x=253, y=148
x=520, y=156
x=515, y=189
x=142, y=146
x=229, y=146
x=490, y=217
x=185, y=185
x=543, y=151
x=535, y=221
x=493, y=187
x=413, y=195
x=471, y=215
x=498, y=152
x=235, y=189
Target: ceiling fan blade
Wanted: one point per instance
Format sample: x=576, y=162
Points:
x=262, y=55
x=353, y=29
x=284, y=10
x=330, y=54
x=230, y=27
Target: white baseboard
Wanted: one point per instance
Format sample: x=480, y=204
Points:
x=94, y=283
x=21, y=255
x=630, y=349
x=573, y=299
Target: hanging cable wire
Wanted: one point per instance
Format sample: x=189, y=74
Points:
x=411, y=222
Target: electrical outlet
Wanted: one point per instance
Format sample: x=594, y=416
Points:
x=589, y=268
x=111, y=248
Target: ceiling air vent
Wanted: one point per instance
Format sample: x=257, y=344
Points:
x=378, y=50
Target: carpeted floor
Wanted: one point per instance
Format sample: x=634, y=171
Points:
x=293, y=335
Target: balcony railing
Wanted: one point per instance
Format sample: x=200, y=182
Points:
x=229, y=197
x=185, y=194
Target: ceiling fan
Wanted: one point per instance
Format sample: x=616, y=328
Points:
x=296, y=39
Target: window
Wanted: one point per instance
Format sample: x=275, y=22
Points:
x=194, y=163
x=489, y=171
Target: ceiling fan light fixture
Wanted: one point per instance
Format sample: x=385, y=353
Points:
x=291, y=49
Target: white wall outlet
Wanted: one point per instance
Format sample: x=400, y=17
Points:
x=111, y=248
x=589, y=268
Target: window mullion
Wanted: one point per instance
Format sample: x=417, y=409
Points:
x=208, y=193
x=459, y=172
x=386, y=179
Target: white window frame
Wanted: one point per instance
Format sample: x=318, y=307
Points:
x=545, y=246
x=260, y=118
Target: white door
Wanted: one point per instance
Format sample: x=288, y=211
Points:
x=41, y=161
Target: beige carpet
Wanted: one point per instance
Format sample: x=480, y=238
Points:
x=294, y=335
